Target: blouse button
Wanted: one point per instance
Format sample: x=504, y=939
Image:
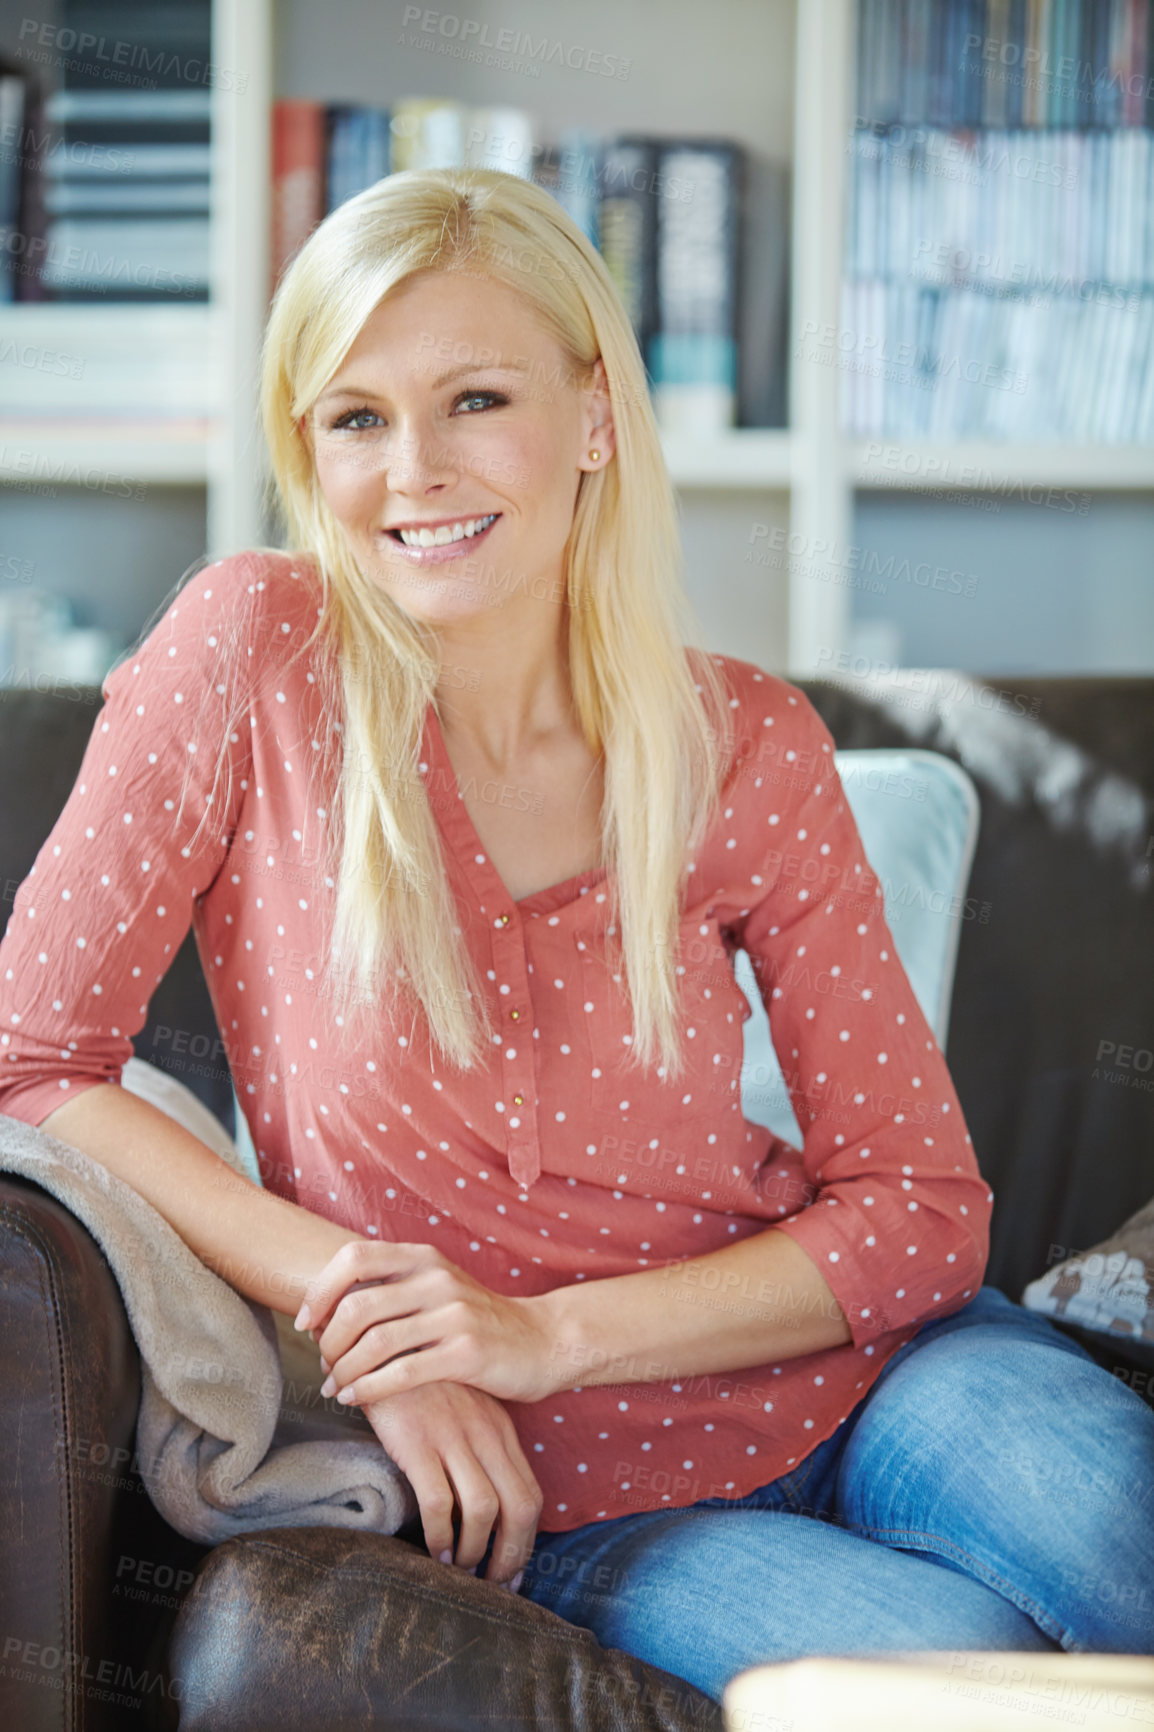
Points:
x=516, y=1015
x=518, y=1100
x=504, y=920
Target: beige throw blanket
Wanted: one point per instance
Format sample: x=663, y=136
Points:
x=232, y=1433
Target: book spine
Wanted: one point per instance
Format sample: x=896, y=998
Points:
x=627, y=223
x=12, y=127
x=694, y=350
x=863, y=71
x=298, y=178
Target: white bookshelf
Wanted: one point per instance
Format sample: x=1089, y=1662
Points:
x=971, y=465
x=805, y=478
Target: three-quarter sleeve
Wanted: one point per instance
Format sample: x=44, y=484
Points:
x=102, y=913
x=899, y=1218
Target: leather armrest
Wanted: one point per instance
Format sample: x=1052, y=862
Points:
x=69, y=1394
x=324, y=1630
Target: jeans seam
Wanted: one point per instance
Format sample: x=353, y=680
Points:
x=975, y=1567
x=794, y=1486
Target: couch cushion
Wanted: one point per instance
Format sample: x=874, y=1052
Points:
x=298, y=1629
x=1110, y=1289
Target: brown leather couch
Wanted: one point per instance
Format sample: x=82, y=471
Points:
x=111, y=1620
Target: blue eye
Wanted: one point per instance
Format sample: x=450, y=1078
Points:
x=345, y=421
x=349, y=416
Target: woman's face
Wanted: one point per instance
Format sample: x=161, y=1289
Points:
x=453, y=407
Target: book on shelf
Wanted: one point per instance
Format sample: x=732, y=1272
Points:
x=298, y=179
x=629, y=230
x=12, y=132
x=356, y=151
x=671, y=217
x=999, y=257
x=571, y=170
x=23, y=220
x=693, y=351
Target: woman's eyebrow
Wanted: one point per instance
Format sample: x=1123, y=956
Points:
x=442, y=379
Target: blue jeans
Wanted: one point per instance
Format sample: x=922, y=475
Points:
x=993, y=1490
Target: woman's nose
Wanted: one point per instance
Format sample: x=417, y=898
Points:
x=412, y=454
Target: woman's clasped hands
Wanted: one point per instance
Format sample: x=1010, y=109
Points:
x=390, y=1317
x=429, y=1355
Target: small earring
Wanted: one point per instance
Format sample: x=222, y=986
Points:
x=594, y=456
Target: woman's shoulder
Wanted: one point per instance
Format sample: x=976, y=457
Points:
x=259, y=581
x=761, y=699
x=242, y=615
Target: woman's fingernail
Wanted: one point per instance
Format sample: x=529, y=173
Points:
x=347, y=1394
x=446, y=1557
x=515, y=1584
x=302, y=1318
x=328, y=1386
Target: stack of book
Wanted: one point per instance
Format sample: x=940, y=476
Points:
x=999, y=273
x=127, y=191
x=669, y=215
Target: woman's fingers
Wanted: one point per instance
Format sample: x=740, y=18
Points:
x=360, y=1262
x=479, y=1505
x=459, y=1449
x=371, y=1306
x=434, y=1497
x=520, y=1505
x=365, y=1368
x=401, y=1430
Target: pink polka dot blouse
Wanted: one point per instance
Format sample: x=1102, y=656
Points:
x=548, y=1166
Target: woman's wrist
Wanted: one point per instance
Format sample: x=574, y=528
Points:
x=296, y=1244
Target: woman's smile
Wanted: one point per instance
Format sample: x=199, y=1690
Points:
x=453, y=538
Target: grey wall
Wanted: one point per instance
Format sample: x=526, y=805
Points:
x=1054, y=591
x=113, y=558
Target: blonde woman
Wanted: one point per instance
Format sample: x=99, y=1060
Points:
x=468, y=838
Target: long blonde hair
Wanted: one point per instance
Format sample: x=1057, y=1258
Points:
x=661, y=721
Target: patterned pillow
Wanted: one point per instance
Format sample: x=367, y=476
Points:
x=1110, y=1288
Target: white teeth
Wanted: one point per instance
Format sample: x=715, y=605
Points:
x=447, y=532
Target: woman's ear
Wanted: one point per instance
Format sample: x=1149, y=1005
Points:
x=599, y=417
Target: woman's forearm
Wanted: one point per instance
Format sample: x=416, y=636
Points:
x=760, y=1300
x=261, y=1244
